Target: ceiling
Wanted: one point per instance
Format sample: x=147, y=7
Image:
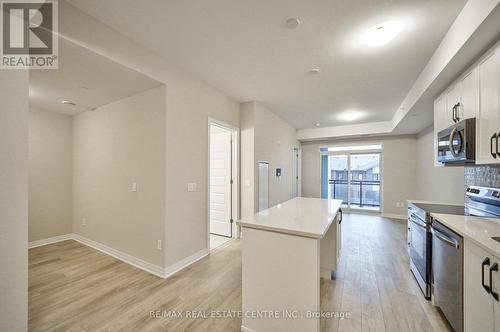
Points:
x=244, y=49
x=85, y=78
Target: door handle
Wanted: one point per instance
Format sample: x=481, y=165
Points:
x=486, y=261
x=494, y=267
x=492, y=139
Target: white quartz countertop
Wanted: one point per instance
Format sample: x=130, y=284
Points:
x=308, y=217
x=477, y=229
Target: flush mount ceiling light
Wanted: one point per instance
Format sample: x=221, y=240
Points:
x=381, y=34
x=67, y=102
x=318, y=124
x=350, y=116
x=314, y=71
x=292, y=23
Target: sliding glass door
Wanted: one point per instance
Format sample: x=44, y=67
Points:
x=352, y=177
x=364, y=186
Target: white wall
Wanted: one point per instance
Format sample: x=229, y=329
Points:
x=398, y=170
x=14, y=200
x=121, y=143
x=440, y=184
x=265, y=137
x=248, y=170
x=189, y=104
x=50, y=174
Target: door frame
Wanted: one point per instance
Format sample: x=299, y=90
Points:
x=235, y=174
x=348, y=153
x=296, y=159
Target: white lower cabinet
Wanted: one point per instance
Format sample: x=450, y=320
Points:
x=481, y=309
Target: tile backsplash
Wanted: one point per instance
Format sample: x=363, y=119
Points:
x=485, y=176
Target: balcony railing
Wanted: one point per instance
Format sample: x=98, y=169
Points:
x=364, y=193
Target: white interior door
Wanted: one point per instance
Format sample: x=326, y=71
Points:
x=220, y=181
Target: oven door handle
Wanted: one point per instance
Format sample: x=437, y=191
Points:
x=418, y=223
x=444, y=238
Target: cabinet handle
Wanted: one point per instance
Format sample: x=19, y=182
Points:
x=498, y=137
x=341, y=216
x=485, y=262
x=494, y=267
x=494, y=138
x=453, y=113
x=457, y=112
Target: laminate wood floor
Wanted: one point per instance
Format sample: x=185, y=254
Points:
x=76, y=288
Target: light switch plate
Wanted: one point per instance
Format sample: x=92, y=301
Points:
x=192, y=186
x=133, y=187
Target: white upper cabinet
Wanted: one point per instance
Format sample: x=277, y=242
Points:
x=476, y=94
x=452, y=102
x=488, y=115
x=469, y=96
x=440, y=122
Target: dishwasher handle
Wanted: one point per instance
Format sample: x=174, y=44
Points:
x=445, y=238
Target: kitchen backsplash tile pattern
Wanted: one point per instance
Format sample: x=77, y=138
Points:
x=486, y=176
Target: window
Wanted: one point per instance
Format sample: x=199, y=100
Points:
x=371, y=147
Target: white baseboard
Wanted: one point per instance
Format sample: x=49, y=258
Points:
x=183, y=263
x=50, y=240
x=395, y=216
x=129, y=259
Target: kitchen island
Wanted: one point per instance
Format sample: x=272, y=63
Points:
x=285, y=251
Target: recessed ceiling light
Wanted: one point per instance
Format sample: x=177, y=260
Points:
x=292, y=23
x=350, y=116
x=381, y=34
x=67, y=102
x=315, y=71
x=318, y=124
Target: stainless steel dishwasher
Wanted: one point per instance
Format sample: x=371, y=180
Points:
x=447, y=273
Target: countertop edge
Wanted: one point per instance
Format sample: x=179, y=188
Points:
x=284, y=231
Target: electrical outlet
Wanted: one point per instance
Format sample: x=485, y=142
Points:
x=192, y=186
x=84, y=221
x=158, y=245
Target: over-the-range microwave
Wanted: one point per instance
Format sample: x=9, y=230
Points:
x=457, y=144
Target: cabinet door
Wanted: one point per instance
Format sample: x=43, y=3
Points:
x=478, y=304
x=495, y=277
x=440, y=123
x=488, y=115
x=452, y=99
x=469, y=96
